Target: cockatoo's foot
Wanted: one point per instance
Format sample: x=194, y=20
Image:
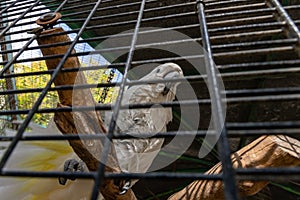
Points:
x=72, y=165
x=126, y=187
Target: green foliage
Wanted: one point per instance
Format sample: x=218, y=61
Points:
x=101, y=76
x=2, y=98
x=290, y=189
x=27, y=99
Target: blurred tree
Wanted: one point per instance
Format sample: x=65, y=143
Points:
x=27, y=99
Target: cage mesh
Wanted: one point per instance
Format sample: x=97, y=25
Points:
x=250, y=60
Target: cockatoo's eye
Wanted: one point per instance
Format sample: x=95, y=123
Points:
x=136, y=120
x=158, y=70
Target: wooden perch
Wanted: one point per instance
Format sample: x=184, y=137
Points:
x=264, y=152
x=88, y=122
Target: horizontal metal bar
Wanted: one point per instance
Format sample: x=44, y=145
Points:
x=134, y=21
x=247, y=27
x=155, y=44
x=262, y=73
x=91, y=175
x=245, y=20
x=254, y=44
x=166, y=43
x=44, y=35
x=241, y=174
x=231, y=7
x=253, y=129
x=104, y=107
x=52, y=174
x=262, y=91
x=291, y=7
x=161, y=8
x=101, y=136
x=259, y=132
x=267, y=98
x=107, y=8
x=248, y=34
x=232, y=95
x=277, y=67
x=262, y=125
x=283, y=173
x=14, y=40
x=65, y=70
x=262, y=65
x=255, y=51
x=240, y=14
x=165, y=175
x=272, y=98
x=229, y=3
x=85, y=53
x=59, y=88
x=110, y=36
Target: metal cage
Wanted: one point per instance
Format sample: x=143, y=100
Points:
x=249, y=56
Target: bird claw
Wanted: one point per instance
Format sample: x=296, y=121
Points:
x=126, y=187
x=71, y=165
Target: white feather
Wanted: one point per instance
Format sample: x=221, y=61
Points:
x=137, y=155
x=41, y=156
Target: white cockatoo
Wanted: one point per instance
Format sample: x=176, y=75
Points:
x=134, y=155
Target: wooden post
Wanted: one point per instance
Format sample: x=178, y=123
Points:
x=88, y=122
x=264, y=152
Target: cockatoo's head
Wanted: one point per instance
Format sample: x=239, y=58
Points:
x=165, y=71
x=157, y=91
x=150, y=120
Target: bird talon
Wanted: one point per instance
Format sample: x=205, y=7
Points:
x=126, y=187
x=62, y=180
x=71, y=165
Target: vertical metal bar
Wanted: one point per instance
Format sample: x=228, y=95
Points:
x=36, y=105
x=61, y=6
x=230, y=189
x=294, y=31
x=112, y=125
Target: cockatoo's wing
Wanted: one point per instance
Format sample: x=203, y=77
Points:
x=41, y=156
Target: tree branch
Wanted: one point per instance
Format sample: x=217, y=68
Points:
x=87, y=122
x=264, y=152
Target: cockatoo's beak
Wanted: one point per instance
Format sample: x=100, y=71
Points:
x=172, y=71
